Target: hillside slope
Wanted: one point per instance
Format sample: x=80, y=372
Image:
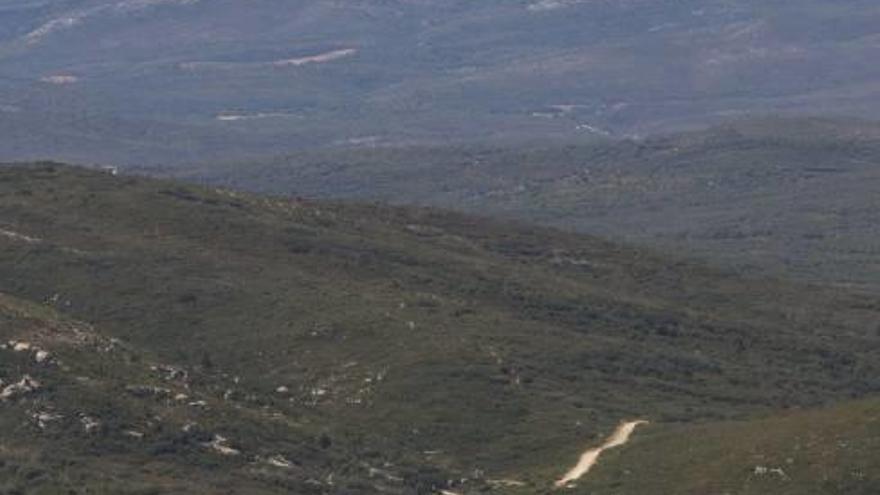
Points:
x=824, y=452
x=446, y=346
x=792, y=196
x=85, y=413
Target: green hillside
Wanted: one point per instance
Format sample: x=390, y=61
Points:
x=82, y=412
x=376, y=348
x=793, y=196
x=823, y=452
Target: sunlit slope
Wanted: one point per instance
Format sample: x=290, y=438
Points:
x=826, y=451
x=82, y=412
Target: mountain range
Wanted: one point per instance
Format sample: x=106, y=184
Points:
x=181, y=81
x=793, y=197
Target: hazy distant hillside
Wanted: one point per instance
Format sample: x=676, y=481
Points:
x=346, y=348
x=797, y=197
x=183, y=80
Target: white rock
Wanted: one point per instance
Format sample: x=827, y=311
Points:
x=23, y=386
x=89, y=423
x=44, y=418
x=219, y=445
x=279, y=461
x=21, y=346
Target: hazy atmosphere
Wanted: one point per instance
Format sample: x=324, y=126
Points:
x=173, y=81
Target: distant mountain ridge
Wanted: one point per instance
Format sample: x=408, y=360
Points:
x=150, y=79
x=795, y=197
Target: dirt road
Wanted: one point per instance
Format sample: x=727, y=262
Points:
x=591, y=457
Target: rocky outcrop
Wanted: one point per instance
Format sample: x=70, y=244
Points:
x=23, y=387
x=220, y=445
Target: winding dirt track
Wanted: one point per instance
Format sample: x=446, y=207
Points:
x=591, y=457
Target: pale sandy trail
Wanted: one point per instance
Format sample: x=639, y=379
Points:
x=316, y=59
x=15, y=236
x=591, y=457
